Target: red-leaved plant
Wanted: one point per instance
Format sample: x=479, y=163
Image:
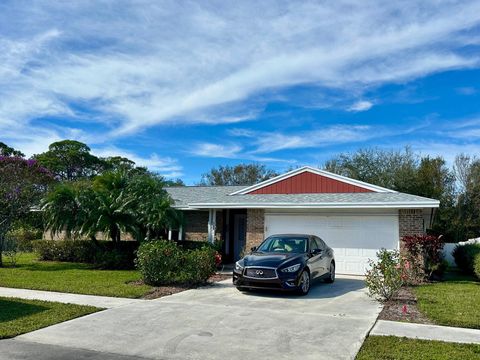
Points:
x=425, y=253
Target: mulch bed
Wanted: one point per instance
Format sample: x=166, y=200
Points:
x=403, y=307
x=160, y=291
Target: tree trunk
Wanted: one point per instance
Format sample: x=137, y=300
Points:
x=115, y=235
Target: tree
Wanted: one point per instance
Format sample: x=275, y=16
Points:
x=468, y=207
x=22, y=183
x=241, y=174
x=391, y=169
x=407, y=172
x=176, y=182
x=114, y=202
x=6, y=150
x=70, y=160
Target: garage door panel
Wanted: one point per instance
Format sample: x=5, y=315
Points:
x=354, y=238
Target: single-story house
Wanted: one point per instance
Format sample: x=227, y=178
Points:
x=355, y=218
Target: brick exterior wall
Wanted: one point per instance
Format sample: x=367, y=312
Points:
x=410, y=222
x=62, y=235
x=255, y=227
x=196, y=225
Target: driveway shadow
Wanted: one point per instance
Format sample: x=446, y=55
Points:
x=319, y=290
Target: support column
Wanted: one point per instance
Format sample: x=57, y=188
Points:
x=212, y=224
x=169, y=233
x=180, y=233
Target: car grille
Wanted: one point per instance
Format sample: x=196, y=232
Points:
x=260, y=273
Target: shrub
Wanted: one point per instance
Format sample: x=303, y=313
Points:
x=103, y=254
x=385, y=276
x=465, y=255
x=425, y=251
x=476, y=266
x=24, y=238
x=11, y=250
x=164, y=262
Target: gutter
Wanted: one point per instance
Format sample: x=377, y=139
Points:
x=372, y=205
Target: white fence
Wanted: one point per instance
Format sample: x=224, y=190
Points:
x=449, y=247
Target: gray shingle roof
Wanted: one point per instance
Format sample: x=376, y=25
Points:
x=218, y=197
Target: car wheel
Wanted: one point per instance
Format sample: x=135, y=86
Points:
x=331, y=275
x=304, y=285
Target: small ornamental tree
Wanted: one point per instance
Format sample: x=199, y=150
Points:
x=22, y=184
x=424, y=251
x=386, y=275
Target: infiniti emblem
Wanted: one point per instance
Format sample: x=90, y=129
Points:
x=259, y=272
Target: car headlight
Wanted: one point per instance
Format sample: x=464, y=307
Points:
x=238, y=266
x=292, y=268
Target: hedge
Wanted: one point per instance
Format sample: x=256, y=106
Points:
x=465, y=257
x=164, y=262
x=103, y=254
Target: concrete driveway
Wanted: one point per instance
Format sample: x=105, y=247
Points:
x=216, y=322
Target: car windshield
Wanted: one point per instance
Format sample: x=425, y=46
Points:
x=284, y=244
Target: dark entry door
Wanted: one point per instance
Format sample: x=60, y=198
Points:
x=239, y=234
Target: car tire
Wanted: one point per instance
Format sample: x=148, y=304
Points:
x=331, y=274
x=305, y=283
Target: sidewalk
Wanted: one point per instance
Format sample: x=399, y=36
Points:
x=426, y=332
x=105, y=302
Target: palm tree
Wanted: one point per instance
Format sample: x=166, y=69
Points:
x=114, y=203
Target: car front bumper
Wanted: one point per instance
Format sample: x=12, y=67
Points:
x=283, y=282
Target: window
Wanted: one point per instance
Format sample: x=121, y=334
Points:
x=284, y=244
x=321, y=244
x=313, y=244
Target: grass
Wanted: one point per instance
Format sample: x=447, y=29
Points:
x=396, y=348
x=71, y=278
x=453, y=302
x=18, y=316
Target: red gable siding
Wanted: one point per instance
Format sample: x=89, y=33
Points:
x=308, y=183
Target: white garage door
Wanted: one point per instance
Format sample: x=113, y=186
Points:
x=354, y=238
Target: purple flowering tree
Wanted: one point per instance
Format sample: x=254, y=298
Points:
x=22, y=184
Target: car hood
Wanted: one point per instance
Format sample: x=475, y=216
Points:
x=268, y=259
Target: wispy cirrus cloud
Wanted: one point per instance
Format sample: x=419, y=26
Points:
x=217, y=151
x=362, y=105
x=165, y=166
x=268, y=142
x=147, y=63
x=126, y=68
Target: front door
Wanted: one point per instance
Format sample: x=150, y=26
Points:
x=239, y=235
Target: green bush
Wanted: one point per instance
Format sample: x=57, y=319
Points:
x=24, y=238
x=476, y=266
x=164, y=263
x=386, y=275
x=464, y=256
x=103, y=254
x=67, y=250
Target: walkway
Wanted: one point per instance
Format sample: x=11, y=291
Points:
x=426, y=332
x=105, y=302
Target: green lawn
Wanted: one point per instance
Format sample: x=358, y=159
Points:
x=71, y=278
x=453, y=302
x=18, y=316
x=396, y=348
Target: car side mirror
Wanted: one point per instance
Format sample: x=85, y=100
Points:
x=316, y=251
x=253, y=248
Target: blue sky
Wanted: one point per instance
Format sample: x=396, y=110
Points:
x=182, y=86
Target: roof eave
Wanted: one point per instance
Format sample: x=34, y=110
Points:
x=370, y=205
